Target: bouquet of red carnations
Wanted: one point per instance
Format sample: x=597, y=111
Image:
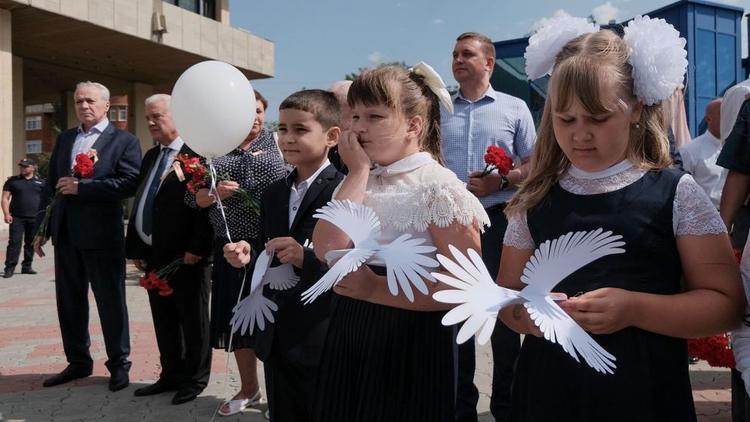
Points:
x=83, y=168
x=715, y=350
x=496, y=159
x=160, y=279
x=200, y=178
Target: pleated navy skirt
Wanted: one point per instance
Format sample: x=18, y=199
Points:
x=385, y=364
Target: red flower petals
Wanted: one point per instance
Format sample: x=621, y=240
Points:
x=495, y=158
x=84, y=166
x=714, y=350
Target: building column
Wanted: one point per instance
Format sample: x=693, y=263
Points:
x=6, y=100
x=222, y=11
x=19, y=112
x=137, y=124
x=70, y=110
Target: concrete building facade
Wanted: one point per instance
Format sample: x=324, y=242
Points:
x=134, y=47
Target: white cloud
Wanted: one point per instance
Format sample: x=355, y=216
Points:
x=375, y=57
x=604, y=13
x=538, y=24
x=438, y=21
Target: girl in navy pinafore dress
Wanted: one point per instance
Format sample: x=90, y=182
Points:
x=601, y=161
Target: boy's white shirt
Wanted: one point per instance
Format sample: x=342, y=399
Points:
x=297, y=191
x=741, y=335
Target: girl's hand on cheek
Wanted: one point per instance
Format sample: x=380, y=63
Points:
x=353, y=154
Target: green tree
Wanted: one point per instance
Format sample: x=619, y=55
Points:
x=42, y=165
x=272, y=125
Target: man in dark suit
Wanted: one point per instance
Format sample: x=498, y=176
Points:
x=162, y=228
x=86, y=225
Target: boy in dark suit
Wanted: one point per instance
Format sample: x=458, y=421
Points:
x=291, y=347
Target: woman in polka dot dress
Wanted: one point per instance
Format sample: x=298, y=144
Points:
x=252, y=166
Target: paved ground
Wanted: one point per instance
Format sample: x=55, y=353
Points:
x=31, y=350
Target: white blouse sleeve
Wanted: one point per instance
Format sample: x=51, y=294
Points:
x=442, y=203
x=693, y=213
x=517, y=234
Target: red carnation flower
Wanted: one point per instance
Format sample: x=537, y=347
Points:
x=495, y=158
x=715, y=350
x=84, y=166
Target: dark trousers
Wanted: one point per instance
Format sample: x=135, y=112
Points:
x=75, y=268
x=290, y=387
x=506, y=343
x=21, y=229
x=182, y=328
x=740, y=399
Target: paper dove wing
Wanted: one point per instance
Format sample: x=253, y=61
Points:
x=358, y=221
x=261, y=266
x=556, y=259
x=281, y=277
x=348, y=263
x=558, y=327
x=405, y=261
x=252, y=311
x=255, y=309
x=551, y=263
x=477, y=294
x=361, y=224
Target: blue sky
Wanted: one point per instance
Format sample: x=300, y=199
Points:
x=319, y=41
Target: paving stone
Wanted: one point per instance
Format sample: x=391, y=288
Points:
x=31, y=350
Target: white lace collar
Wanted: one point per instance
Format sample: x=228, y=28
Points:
x=616, y=177
x=618, y=168
x=404, y=165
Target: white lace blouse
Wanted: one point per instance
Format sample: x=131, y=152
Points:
x=692, y=213
x=416, y=191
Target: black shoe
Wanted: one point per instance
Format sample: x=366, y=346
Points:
x=67, y=375
x=8, y=274
x=693, y=360
x=185, y=395
x=156, y=388
x=118, y=380
x=29, y=271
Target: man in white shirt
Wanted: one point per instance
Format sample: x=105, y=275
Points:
x=699, y=156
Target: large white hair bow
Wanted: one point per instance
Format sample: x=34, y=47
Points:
x=658, y=58
x=433, y=81
x=656, y=53
x=548, y=41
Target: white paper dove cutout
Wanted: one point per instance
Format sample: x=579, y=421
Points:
x=255, y=309
x=480, y=299
x=405, y=258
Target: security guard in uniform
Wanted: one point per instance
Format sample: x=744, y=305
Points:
x=20, y=203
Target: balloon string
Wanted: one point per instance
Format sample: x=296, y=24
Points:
x=215, y=193
x=230, y=349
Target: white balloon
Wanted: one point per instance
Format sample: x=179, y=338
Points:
x=213, y=108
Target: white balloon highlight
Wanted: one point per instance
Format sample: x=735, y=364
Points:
x=213, y=108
